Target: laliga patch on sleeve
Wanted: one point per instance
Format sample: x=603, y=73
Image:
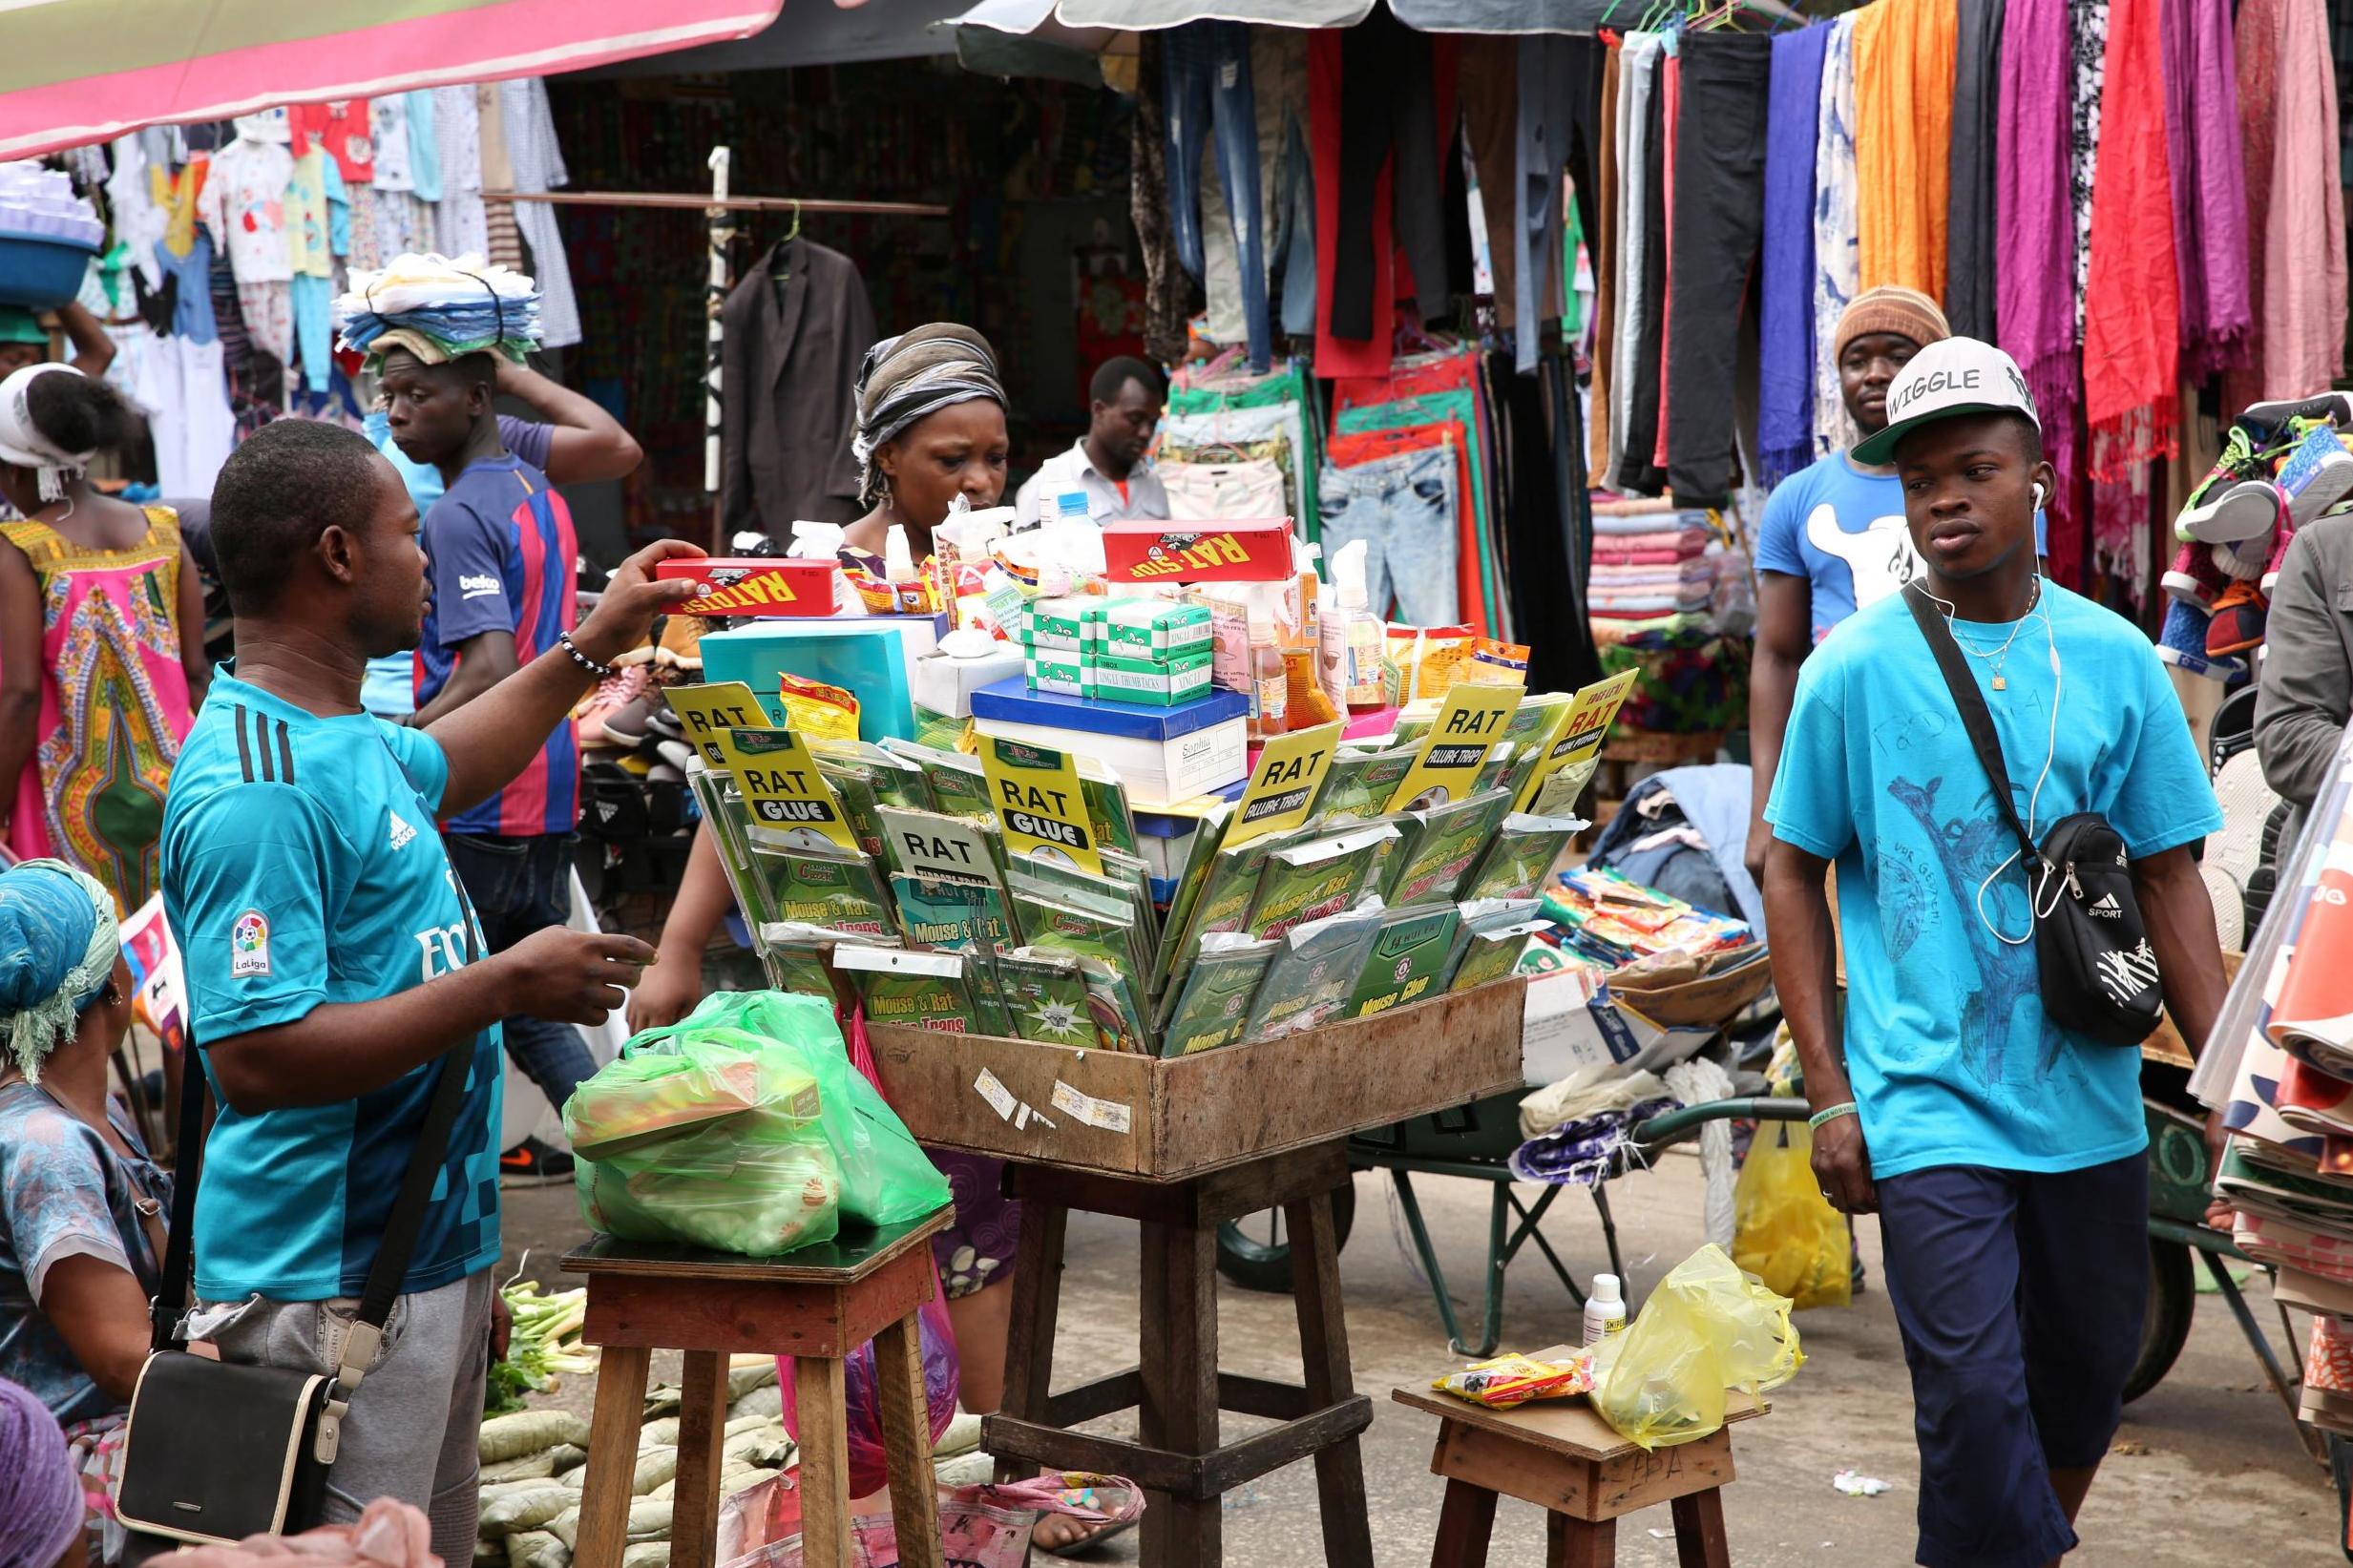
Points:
x=249, y=946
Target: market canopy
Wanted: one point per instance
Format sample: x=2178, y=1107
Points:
x=1026, y=16
x=75, y=71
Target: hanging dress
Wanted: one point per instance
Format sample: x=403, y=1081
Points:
x=113, y=703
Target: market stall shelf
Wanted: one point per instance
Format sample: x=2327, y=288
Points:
x=817, y=1305
x=1561, y=1455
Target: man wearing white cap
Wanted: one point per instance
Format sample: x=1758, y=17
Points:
x=2005, y=1154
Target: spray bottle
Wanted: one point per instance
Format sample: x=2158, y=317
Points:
x=1349, y=636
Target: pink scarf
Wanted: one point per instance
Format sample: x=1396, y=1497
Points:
x=2034, y=303
x=2133, y=304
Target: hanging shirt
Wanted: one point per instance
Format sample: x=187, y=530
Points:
x=388, y=121
x=500, y=553
x=424, y=147
x=318, y=215
x=342, y=129
x=244, y=203
x=302, y=869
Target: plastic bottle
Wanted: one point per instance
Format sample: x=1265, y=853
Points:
x=898, y=569
x=1071, y=507
x=1604, y=1309
x=1269, y=680
x=1349, y=636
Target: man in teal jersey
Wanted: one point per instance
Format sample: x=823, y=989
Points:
x=331, y=960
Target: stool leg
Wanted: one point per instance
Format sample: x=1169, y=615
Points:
x=701, y=1425
x=1323, y=1349
x=1029, y=1338
x=1699, y=1531
x=1177, y=1330
x=611, y=1481
x=1575, y=1543
x=907, y=1443
x=825, y=1462
x=1464, y=1525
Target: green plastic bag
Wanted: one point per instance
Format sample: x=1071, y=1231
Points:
x=1706, y=1328
x=723, y=1186
x=885, y=1177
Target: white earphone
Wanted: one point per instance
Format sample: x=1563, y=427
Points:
x=2038, y=497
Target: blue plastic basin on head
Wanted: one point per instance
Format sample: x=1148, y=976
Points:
x=41, y=273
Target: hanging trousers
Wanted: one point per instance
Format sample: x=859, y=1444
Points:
x=1388, y=103
x=1635, y=468
x=1209, y=86
x=1719, y=221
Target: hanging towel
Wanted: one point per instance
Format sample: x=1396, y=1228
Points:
x=2131, y=326
x=1968, y=212
x=2035, y=293
x=2088, y=41
x=1785, y=363
x=1836, y=245
x=2304, y=250
x=1903, y=121
x=2210, y=201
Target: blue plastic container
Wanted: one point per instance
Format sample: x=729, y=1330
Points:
x=41, y=273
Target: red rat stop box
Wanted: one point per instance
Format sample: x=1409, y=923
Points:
x=1150, y=550
x=753, y=585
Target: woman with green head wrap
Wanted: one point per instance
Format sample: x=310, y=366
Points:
x=81, y=1205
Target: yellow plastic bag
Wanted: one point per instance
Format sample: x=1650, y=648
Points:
x=1706, y=1328
x=1784, y=1231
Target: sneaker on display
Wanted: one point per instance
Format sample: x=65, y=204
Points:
x=628, y=726
x=532, y=1163
x=676, y=753
x=2316, y=474
x=2275, y=416
x=2193, y=577
x=2242, y=560
x=2236, y=498
x=2238, y=622
x=2279, y=554
x=612, y=693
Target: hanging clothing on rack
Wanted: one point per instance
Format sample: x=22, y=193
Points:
x=2304, y=246
x=1557, y=105
x=1785, y=287
x=1608, y=200
x=1837, y=265
x=1972, y=259
x=1904, y=105
x=1210, y=99
x=2034, y=295
x=1338, y=354
x=2210, y=197
x=461, y=227
x=1635, y=55
x=1671, y=122
x=1389, y=121
x=539, y=165
x=2131, y=322
x=790, y=356
x=1639, y=470
x=2087, y=38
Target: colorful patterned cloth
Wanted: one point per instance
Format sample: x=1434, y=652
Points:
x=115, y=704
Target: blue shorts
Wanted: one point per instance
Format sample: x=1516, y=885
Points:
x=2021, y=1296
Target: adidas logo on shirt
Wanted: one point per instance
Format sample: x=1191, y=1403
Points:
x=402, y=832
x=2106, y=909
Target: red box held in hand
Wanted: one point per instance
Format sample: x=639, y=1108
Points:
x=1151, y=550
x=754, y=585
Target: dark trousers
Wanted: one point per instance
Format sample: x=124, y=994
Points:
x=2021, y=1296
x=1719, y=220
x=1637, y=468
x=1388, y=103
x=521, y=886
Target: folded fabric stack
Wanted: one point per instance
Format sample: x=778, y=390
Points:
x=440, y=309
x=2288, y=1170
x=1651, y=563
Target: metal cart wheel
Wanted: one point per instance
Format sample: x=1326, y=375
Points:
x=1255, y=1251
x=2172, y=1299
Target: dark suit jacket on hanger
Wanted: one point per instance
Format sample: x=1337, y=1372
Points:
x=787, y=370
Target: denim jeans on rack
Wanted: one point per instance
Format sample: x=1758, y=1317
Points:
x=1403, y=508
x=1209, y=88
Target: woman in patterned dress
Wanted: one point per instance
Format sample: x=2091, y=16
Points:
x=101, y=639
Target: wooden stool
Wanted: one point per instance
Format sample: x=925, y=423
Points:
x=817, y=1305
x=1561, y=1455
x=1178, y=1389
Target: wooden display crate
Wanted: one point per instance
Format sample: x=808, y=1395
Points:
x=1168, y=1118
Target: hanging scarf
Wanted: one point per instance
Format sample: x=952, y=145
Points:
x=2210, y=199
x=2257, y=35
x=1970, y=217
x=2304, y=250
x=2087, y=25
x=1785, y=375
x=1836, y=241
x=21, y=441
x=2131, y=326
x=908, y=377
x=1905, y=53
x=2034, y=309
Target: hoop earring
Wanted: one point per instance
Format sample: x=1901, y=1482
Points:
x=882, y=487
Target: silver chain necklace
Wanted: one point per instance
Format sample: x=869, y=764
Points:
x=1998, y=657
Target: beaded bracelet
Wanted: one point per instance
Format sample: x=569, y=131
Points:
x=1833, y=1114
x=602, y=672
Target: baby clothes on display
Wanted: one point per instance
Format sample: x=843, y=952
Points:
x=243, y=200
x=342, y=129
x=424, y=147
x=318, y=230
x=388, y=117
x=460, y=225
x=539, y=165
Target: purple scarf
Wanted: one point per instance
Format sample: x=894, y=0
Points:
x=1785, y=377
x=2034, y=216
x=2210, y=198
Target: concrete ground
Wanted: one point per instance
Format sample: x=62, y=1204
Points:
x=2207, y=1469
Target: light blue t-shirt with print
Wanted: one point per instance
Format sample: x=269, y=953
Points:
x=1951, y=1058
x=300, y=869
x=1841, y=528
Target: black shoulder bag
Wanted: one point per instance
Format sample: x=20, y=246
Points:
x=214, y=1451
x=2099, y=973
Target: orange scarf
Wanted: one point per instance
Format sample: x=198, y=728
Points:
x=1905, y=53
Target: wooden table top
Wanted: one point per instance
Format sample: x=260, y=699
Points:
x=1570, y=1427
x=859, y=1250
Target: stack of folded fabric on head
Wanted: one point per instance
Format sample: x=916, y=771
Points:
x=440, y=309
x=1655, y=571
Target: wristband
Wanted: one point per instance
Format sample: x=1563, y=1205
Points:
x=602, y=672
x=1833, y=1114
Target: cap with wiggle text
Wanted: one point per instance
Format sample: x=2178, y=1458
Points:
x=1956, y=376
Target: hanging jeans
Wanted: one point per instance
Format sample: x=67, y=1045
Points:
x=1294, y=231
x=1560, y=101
x=1403, y=508
x=1224, y=493
x=1208, y=85
x=1719, y=220
x=1388, y=103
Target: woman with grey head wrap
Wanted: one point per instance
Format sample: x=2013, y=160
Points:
x=930, y=427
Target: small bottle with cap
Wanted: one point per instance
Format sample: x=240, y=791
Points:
x=1604, y=1309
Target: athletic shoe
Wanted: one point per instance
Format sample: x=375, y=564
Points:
x=2316, y=474
x=2270, y=417
x=2238, y=622
x=2181, y=638
x=677, y=753
x=2243, y=561
x=2278, y=552
x=2236, y=498
x=662, y=724
x=681, y=647
x=615, y=693
x=532, y=1163
x=2195, y=579
x=626, y=725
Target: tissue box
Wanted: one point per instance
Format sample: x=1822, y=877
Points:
x=945, y=684
x=1147, y=549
